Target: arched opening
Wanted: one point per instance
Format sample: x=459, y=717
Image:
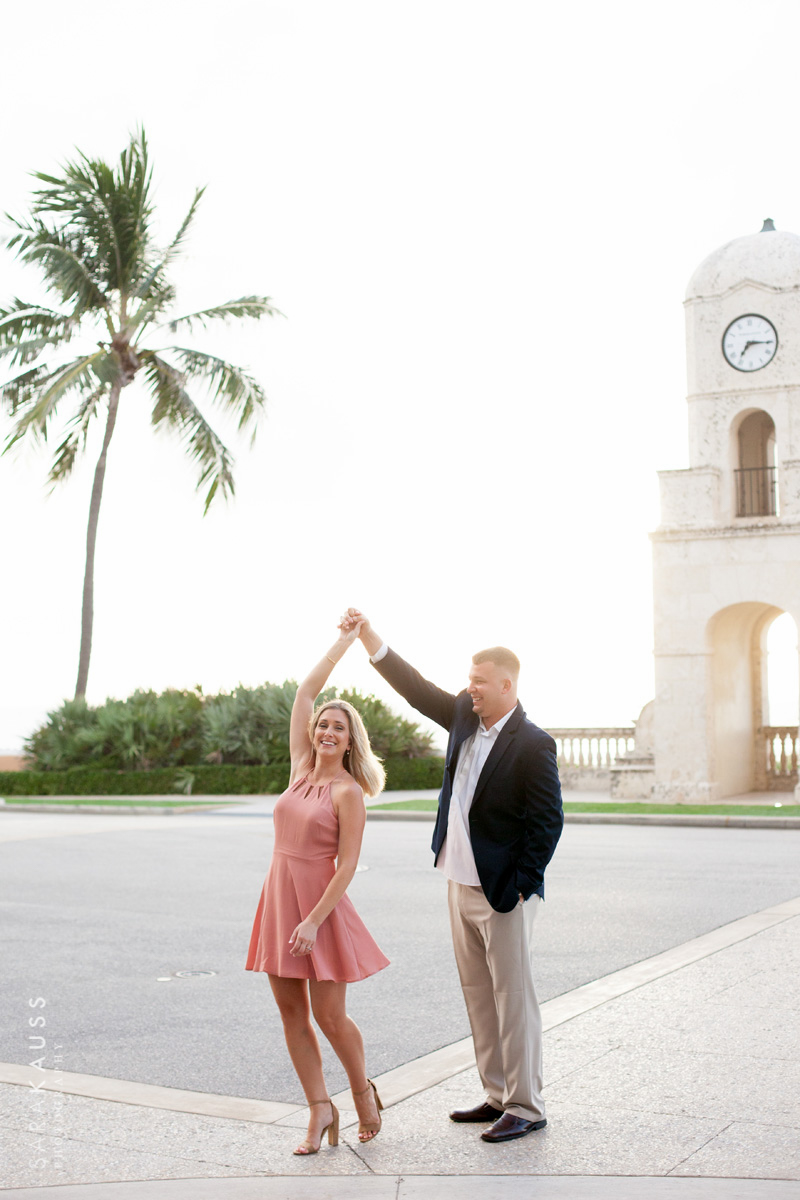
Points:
x=783, y=675
x=756, y=491
x=782, y=708
x=737, y=639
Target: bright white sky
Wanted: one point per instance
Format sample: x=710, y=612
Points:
x=479, y=219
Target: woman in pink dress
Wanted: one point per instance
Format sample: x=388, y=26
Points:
x=307, y=936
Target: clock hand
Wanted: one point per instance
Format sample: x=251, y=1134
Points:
x=761, y=342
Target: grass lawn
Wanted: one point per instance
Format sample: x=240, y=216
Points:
x=722, y=810
x=114, y=801
x=576, y=806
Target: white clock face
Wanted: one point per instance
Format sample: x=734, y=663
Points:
x=749, y=342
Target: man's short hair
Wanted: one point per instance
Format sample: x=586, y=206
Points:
x=501, y=657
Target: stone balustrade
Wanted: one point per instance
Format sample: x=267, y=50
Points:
x=781, y=749
x=592, y=749
x=598, y=757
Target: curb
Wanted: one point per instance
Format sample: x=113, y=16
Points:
x=698, y=820
x=94, y=809
x=713, y=820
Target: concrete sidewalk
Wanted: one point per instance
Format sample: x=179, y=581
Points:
x=677, y=1077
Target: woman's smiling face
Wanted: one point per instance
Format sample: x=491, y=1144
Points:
x=332, y=733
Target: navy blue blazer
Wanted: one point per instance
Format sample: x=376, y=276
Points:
x=516, y=816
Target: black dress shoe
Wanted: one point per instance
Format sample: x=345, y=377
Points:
x=509, y=1127
x=481, y=1112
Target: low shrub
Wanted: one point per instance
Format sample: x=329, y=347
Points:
x=248, y=727
x=410, y=774
x=146, y=731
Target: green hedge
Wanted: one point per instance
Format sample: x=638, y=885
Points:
x=88, y=781
x=409, y=774
x=402, y=774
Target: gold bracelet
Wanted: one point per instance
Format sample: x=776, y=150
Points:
x=330, y=660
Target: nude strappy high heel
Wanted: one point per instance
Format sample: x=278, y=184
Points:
x=369, y=1127
x=332, y=1130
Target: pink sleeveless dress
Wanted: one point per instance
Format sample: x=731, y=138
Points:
x=306, y=845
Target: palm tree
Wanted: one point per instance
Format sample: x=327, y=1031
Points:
x=90, y=234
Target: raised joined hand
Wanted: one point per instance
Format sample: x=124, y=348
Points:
x=353, y=618
x=350, y=631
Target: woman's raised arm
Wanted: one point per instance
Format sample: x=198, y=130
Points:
x=307, y=692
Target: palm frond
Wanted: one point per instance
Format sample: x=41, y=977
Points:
x=247, y=306
x=69, y=268
x=229, y=386
x=132, y=211
x=75, y=441
x=22, y=389
x=106, y=212
x=19, y=353
x=36, y=393
x=27, y=329
x=172, y=249
x=161, y=296
x=175, y=409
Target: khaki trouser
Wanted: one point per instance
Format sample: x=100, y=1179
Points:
x=493, y=954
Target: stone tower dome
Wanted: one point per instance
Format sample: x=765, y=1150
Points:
x=769, y=259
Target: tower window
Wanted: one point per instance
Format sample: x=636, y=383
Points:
x=756, y=490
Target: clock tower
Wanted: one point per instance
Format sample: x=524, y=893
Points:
x=726, y=555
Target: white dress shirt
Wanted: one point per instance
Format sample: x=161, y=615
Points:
x=456, y=859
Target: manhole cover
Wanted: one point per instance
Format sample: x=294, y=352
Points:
x=190, y=974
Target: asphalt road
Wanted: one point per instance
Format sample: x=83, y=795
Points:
x=91, y=921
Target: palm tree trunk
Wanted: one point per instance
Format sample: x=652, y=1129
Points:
x=87, y=614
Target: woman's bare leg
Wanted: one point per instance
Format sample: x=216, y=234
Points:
x=328, y=1005
x=291, y=996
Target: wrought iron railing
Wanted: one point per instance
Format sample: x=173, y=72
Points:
x=756, y=493
x=593, y=748
x=781, y=756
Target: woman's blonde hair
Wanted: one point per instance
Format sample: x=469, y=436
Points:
x=363, y=765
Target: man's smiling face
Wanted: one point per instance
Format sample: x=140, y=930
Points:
x=491, y=692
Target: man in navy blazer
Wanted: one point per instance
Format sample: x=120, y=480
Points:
x=499, y=820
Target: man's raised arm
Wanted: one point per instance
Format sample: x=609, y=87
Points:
x=426, y=697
